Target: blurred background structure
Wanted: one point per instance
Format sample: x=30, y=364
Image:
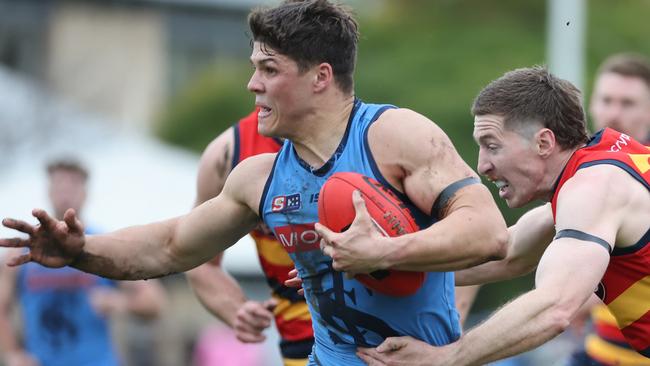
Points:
x=139, y=87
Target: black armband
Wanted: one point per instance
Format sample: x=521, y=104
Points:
x=449, y=192
x=581, y=235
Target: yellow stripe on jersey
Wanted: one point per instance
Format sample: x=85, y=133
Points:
x=641, y=161
x=291, y=311
x=631, y=304
x=613, y=354
x=273, y=252
x=294, y=362
x=601, y=314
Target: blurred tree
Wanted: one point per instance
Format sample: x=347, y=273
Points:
x=215, y=100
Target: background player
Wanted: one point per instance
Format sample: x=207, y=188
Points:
x=64, y=311
x=533, y=144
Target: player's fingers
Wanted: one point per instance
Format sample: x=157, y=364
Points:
x=19, y=225
x=361, y=212
x=391, y=344
x=47, y=221
x=247, y=337
x=293, y=273
x=270, y=304
x=301, y=291
x=326, y=248
x=293, y=282
x=327, y=235
x=74, y=225
x=261, y=316
x=19, y=260
x=370, y=356
x=248, y=332
x=246, y=327
x=14, y=243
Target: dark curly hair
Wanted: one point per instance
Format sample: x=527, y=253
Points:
x=310, y=32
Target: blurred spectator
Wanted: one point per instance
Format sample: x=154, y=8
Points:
x=64, y=311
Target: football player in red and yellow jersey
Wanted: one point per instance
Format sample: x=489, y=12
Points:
x=219, y=292
x=533, y=144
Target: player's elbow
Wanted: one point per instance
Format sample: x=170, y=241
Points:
x=559, y=319
x=494, y=242
x=517, y=266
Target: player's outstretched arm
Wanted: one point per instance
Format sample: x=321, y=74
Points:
x=528, y=239
x=217, y=291
x=152, y=250
x=417, y=158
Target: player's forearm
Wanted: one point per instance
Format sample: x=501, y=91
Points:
x=134, y=253
x=523, y=324
x=465, y=238
x=494, y=271
x=527, y=240
x=217, y=291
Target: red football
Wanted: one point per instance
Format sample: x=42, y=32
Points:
x=336, y=211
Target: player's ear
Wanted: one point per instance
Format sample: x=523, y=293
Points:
x=545, y=142
x=323, y=76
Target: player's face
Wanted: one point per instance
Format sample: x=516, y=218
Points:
x=622, y=103
x=509, y=160
x=67, y=190
x=282, y=92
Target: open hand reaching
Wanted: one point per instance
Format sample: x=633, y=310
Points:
x=52, y=243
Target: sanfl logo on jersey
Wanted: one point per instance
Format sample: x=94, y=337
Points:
x=286, y=203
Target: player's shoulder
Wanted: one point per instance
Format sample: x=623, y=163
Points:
x=220, y=147
x=409, y=133
x=247, y=180
x=406, y=123
x=603, y=182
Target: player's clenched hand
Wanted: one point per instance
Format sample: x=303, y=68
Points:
x=361, y=248
x=252, y=319
x=403, y=351
x=295, y=281
x=52, y=243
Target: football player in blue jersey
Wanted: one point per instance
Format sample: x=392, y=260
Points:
x=304, y=55
x=65, y=311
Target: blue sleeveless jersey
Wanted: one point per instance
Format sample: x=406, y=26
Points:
x=61, y=328
x=345, y=313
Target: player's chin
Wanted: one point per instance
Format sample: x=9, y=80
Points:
x=515, y=202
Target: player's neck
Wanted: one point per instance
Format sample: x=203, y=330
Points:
x=323, y=131
x=555, y=166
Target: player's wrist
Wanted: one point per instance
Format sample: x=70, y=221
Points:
x=393, y=249
x=453, y=355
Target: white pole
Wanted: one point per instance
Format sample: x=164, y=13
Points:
x=566, y=39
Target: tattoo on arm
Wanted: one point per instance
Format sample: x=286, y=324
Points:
x=223, y=164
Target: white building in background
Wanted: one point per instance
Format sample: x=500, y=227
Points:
x=135, y=178
x=121, y=59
